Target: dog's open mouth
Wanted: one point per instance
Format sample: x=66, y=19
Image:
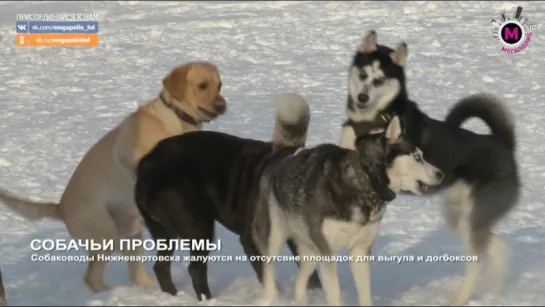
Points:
x=218, y=108
x=212, y=114
x=422, y=187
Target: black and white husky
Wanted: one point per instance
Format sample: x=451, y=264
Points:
x=327, y=198
x=481, y=182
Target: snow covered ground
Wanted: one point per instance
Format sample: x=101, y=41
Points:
x=56, y=102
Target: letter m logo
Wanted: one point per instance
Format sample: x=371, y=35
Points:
x=511, y=34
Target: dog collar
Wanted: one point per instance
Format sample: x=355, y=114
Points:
x=384, y=117
x=381, y=121
x=366, y=183
x=181, y=114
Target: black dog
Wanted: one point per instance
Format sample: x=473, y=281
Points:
x=188, y=182
x=481, y=181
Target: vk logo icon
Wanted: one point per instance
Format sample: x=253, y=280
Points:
x=21, y=27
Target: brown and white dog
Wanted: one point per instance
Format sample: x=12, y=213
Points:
x=98, y=202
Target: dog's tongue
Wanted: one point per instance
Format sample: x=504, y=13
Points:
x=423, y=187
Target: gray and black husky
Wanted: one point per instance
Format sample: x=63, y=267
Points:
x=481, y=181
x=327, y=198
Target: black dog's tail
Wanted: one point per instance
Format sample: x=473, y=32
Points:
x=292, y=119
x=491, y=110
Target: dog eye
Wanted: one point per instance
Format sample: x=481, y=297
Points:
x=203, y=85
x=363, y=75
x=379, y=81
x=418, y=158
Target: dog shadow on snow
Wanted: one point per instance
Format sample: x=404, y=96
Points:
x=391, y=280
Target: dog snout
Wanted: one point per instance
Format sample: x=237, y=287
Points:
x=363, y=98
x=219, y=104
x=439, y=175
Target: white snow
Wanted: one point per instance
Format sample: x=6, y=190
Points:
x=56, y=102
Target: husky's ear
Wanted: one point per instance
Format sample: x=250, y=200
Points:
x=399, y=56
x=369, y=43
x=393, y=132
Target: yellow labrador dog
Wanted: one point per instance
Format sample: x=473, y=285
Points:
x=98, y=203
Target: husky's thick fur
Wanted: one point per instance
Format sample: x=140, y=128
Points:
x=188, y=182
x=324, y=199
x=481, y=182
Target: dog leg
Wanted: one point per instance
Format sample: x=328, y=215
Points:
x=251, y=251
x=314, y=281
x=362, y=274
x=198, y=270
x=129, y=226
x=161, y=268
x=95, y=225
x=200, y=228
x=331, y=283
x=137, y=271
x=458, y=212
x=94, y=275
x=275, y=242
x=471, y=274
x=163, y=271
x=498, y=251
x=306, y=270
x=348, y=138
x=472, y=268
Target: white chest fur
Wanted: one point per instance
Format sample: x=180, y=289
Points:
x=347, y=234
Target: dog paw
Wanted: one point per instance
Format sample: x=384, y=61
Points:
x=365, y=302
x=495, y=285
x=265, y=302
x=145, y=280
x=458, y=300
x=496, y=289
x=208, y=301
x=301, y=301
x=172, y=291
x=97, y=287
